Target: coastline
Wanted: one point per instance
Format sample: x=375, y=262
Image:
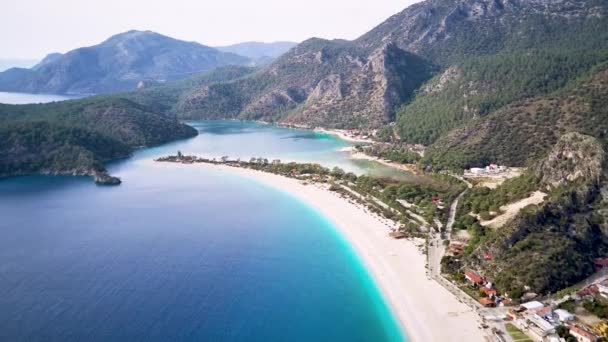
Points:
x=411, y=168
x=342, y=135
x=424, y=310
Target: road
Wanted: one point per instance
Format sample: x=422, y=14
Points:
x=435, y=253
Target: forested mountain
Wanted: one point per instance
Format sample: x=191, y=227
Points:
x=484, y=55
x=550, y=246
x=77, y=137
x=117, y=64
x=319, y=82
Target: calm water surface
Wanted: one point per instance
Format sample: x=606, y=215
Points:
x=182, y=254
x=25, y=98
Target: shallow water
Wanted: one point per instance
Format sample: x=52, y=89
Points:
x=182, y=254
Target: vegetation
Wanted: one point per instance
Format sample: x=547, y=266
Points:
x=521, y=133
x=381, y=195
x=516, y=334
x=596, y=307
x=480, y=85
x=399, y=154
x=77, y=137
x=481, y=200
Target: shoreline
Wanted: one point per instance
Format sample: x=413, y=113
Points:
x=411, y=168
x=423, y=309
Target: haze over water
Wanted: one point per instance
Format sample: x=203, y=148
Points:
x=183, y=253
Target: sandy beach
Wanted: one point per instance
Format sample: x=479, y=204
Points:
x=424, y=309
x=404, y=167
x=342, y=135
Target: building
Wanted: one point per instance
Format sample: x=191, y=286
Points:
x=534, y=305
x=543, y=328
x=564, y=316
x=600, y=263
x=491, y=293
x=582, y=335
x=473, y=278
x=602, y=287
x=487, y=302
x=545, y=313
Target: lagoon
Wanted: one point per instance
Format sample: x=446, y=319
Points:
x=184, y=254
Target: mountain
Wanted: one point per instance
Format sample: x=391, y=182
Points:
x=447, y=31
x=258, y=50
x=549, y=246
x=6, y=63
x=430, y=68
x=521, y=132
x=77, y=137
x=48, y=59
x=319, y=82
x=118, y=64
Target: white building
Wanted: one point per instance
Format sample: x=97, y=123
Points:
x=545, y=328
x=534, y=305
x=564, y=316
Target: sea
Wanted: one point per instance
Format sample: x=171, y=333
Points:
x=26, y=98
x=184, y=254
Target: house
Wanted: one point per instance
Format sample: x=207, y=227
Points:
x=582, y=335
x=476, y=171
x=491, y=293
x=602, y=287
x=588, y=291
x=543, y=328
x=534, y=305
x=564, y=316
x=456, y=248
x=473, y=278
x=545, y=312
x=600, y=263
x=487, y=302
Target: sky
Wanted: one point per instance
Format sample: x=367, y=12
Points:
x=34, y=28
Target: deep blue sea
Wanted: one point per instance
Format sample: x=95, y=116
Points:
x=183, y=254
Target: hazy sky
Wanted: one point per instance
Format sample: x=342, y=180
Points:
x=33, y=28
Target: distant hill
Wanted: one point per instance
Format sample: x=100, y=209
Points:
x=117, y=64
x=77, y=137
x=7, y=63
x=258, y=50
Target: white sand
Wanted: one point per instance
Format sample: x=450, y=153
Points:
x=404, y=167
x=424, y=309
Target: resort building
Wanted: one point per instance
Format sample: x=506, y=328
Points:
x=602, y=287
x=473, y=278
x=564, y=316
x=582, y=335
x=539, y=326
x=532, y=306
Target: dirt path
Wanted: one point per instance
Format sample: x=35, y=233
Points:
x=511, y=210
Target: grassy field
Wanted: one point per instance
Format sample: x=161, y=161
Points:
x=516, y=334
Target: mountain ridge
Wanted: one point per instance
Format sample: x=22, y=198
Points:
x=119, y=63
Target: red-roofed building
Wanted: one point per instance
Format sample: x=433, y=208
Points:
x=590, y=290
x=582, y=335
x=489, y=292
x=473, y=278
x=487, y=302
x=456, y=248
x=600, y=263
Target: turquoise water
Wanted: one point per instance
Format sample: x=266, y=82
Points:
x=181, y=254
